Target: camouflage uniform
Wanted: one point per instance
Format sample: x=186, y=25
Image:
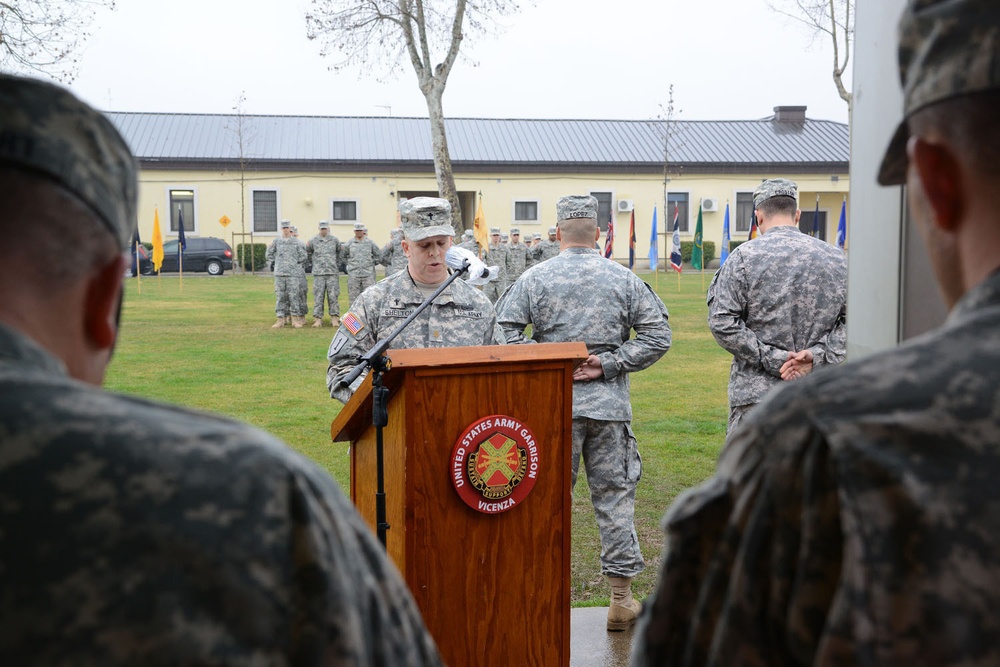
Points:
x=580, y=296
x=517, y=257
x=324, y=252
x=782, y=292
x=141, y=534
x=546, y=249
x=360, y=258
x=851, y=519
x=497, y=255
x=289, y=256
x=393, y=258
x=459, y=316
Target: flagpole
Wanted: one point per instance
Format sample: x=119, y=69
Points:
x=138, y=271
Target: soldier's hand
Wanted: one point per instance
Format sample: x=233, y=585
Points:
x=799, y=365
x=590, y=369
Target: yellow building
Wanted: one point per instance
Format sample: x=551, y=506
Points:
x=258, y=170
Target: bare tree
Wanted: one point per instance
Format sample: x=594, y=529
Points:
x=43, y=36
x=668, y=129
x=243, y=136
x=834, y=18
x=366, y=32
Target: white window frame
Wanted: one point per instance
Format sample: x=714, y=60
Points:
x=692, y=220
x=614, y=209
x=732, y=218
x=277, y=201
x=165, y=229
x=525, y=200
x=344, y=223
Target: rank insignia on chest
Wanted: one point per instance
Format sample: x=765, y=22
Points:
x=352, y=323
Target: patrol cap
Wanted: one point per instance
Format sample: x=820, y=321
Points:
x=323, y=224
x=423, y=217
x=774, y=187
x=43, y=127
x=286, y=224
x=494, y=230
x=468, y=234
x=360, y=227
x=515, y=230
x=576, y=206
x=946, y=50
x=552, y=230
x=395, y=232
x=538, y=236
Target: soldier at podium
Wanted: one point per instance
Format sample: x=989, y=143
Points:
x=581, y=296
x=460, y=316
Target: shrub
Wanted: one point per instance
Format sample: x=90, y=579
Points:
x=733, y=245
x=708, y=251
x=259, y=250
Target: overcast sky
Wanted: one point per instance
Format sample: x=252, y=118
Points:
x=614, y=59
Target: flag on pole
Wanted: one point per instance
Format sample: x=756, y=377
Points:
x=842, y=226
x=754, y=232
x=816, y=219
x=481, y=232
x=725, y=238
x=675, y=246
x=157, y=241
x=698, y=251
x=609, y=239
x=135, y=253
x=654, y=250
x=181, y=241
x=631, y=241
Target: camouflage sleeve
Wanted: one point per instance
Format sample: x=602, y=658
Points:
x=514, y=314
x=344, y=350
x=727, y=298
x=303, y=254
x=336, y=560
x=752, y=559
x=309, y=250
x=269, y=255
x=652, y=335
x=832, y=348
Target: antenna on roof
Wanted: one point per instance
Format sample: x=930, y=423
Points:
x=387, y=107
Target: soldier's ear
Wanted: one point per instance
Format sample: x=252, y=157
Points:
x=939, y=173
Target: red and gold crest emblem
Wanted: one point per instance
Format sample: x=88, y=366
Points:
x=494, y=464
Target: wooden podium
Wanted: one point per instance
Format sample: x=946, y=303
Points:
x=493, y=588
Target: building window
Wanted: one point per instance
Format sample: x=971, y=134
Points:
x=344, y=211
x=604, y=210
x=744, y=213
x=265, y=211
x=526, y=212
x=181, y=208
x=810, y=224
x=677, y=201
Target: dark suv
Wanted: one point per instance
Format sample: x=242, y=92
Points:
x=202, y=254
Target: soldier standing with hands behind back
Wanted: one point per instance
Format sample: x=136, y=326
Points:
x=287, y=254
x=324, y=251
x=360, y=254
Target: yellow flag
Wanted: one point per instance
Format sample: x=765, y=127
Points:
x=157, y=241
x=481, y=231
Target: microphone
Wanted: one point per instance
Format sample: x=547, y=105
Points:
x=461, y=259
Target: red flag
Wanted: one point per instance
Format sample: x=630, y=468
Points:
x=609, y=239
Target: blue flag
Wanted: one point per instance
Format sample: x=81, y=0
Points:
x=842, y=226
x=675, y=246
x=725, y=238
x=654, y=250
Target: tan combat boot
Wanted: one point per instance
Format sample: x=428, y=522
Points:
x=318, y=322
x=280, y=323
x=298, y=322
x=288, y=319
x=334, y=321
x=624, y=609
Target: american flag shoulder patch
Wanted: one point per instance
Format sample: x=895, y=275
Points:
x=352, y=323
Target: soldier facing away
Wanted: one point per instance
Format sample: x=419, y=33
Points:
x=580, y=296
x=853, y=517
x=138, y=533
x=324, y=252
x=288, y=255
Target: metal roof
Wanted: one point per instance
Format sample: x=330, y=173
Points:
x=175, y=140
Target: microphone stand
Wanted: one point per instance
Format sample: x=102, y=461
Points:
x=379, y=363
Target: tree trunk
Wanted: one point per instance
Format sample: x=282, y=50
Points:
x=442, y=159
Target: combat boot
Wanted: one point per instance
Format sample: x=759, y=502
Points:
x=280, y=323
x=288, y=319
x=624, y=609
x=334, y=321
x=318, y=322
x=297, y=322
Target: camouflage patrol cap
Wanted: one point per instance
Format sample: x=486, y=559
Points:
x=947, y=49
x=43, y=127
x=423, y=217
x=774, y=187
x=515, y=230
x=576, y=206
x=538, y=237
x=494, y=231
x=552, y=230
x=468, y=234
x=286, y=224
x=323, y=224
x=360, y=227
x=395, y=232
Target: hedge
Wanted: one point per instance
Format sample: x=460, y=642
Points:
x=708, y=248
x=259, y=250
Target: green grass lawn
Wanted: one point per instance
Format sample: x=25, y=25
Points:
x=207, y=343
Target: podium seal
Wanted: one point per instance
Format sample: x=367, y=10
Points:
x=494, y=464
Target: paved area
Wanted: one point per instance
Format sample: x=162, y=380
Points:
x=590, y=643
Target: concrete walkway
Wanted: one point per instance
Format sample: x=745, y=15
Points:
x=590, y=643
